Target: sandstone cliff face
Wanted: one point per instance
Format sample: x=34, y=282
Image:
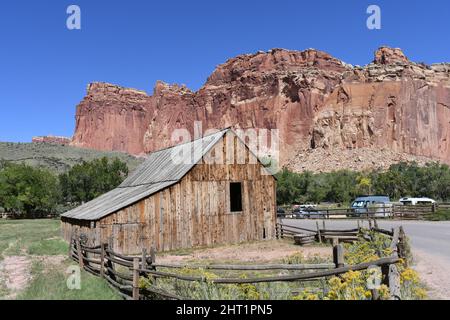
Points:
x=316, y=101
x=111, y=118
x=391, y=104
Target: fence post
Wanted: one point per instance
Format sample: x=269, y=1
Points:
x=153, y=256
x=102, y=260
x=281, y=231
x=318, y=232
x=359, y=226
x=323, y=224
x=144, y=258
x=80, y=255
x=71, y=245
x=338, y=256
x=153, y=260
x=136, y=279
x=394, y=282
x=109, y=263
x=375, y=294
x=401, y=245
x=375, y=223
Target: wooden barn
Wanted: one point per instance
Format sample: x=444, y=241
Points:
x=210, y=191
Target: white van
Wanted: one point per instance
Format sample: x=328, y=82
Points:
x=416, y=201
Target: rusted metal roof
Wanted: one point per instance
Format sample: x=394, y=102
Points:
x=162, y=169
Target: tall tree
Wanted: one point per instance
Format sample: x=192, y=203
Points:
x=88, y=180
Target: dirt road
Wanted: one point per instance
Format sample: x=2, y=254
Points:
x=430, y=242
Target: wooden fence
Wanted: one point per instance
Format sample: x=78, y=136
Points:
x=391, y=211
x=124, y=272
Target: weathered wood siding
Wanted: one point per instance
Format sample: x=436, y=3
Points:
x=195, y=211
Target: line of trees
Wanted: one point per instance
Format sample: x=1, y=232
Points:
x=31, y=192
x=400, y=180
x=27, y=191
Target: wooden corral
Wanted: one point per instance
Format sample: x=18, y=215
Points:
x=215, y=202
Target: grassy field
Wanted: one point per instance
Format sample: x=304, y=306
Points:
x=57, y=158
x=33, y=260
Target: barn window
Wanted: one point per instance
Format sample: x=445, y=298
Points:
x=235, y=197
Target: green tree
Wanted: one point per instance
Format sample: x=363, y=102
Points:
x=27, y=191
x=88, y=180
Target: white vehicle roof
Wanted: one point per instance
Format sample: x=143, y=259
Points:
x=417, y=199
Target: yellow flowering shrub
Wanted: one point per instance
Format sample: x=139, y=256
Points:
x=411, y=287
x=352, y=285
x=307, y=294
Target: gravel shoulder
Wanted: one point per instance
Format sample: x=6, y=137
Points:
x=434, y=272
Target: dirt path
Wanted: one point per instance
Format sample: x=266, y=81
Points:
x=268, y=251
x=15, y=272
x=433, y=272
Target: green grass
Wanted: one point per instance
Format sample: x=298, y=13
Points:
x=48, y=247
x=49, y=283
x=40, y=241
x=19, y=237
x=440, y=215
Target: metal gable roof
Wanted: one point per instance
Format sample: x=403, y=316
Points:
x=162, y=168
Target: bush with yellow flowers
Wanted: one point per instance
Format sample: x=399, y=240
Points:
x=352, y=285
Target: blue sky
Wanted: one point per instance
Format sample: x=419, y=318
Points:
x=45, y=68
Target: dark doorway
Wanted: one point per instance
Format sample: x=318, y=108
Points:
x=235, y=197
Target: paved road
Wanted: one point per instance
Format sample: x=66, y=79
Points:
x=430, y=242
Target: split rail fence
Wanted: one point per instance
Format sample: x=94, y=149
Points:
x=123, y=273
x=403, y=212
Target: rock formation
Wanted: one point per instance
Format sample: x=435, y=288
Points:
x=317, y=102
x=52, y=140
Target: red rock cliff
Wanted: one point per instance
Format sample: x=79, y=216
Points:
x=316, y=101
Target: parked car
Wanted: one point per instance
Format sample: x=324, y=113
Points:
x=281, y=213
x=298, y=213
x=380, y=206
x=416, y=201
x=307, y=213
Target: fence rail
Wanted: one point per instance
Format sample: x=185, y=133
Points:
x=122, y=272
x=388, y=211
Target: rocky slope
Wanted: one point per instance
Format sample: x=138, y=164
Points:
x=321, y=106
